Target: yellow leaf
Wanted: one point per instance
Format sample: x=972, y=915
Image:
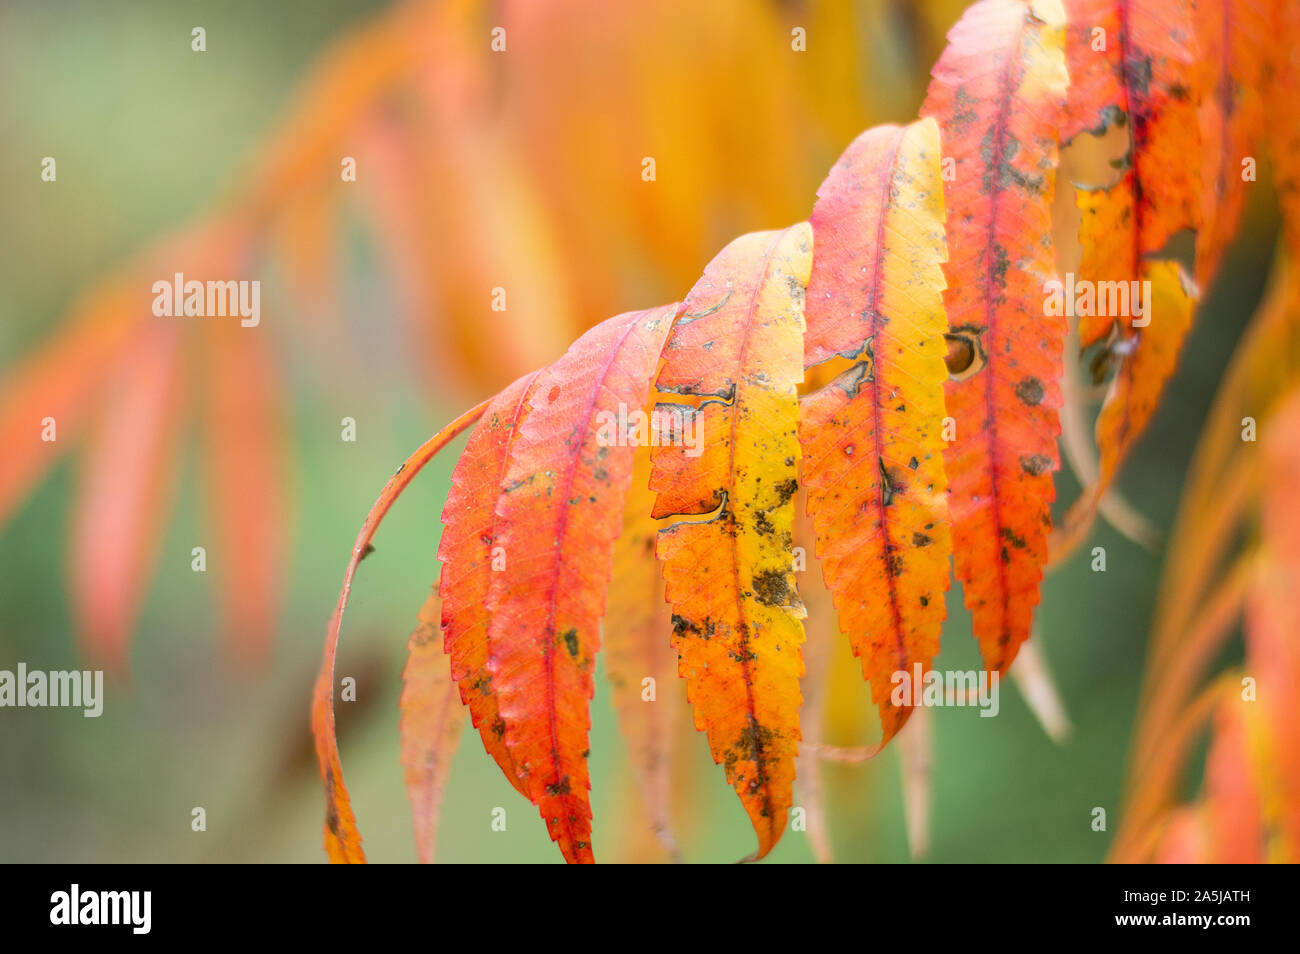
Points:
x=873, y=451
x=737, y=619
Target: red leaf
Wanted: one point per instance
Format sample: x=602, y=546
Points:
x=873, y=455
x=246, y=471
x=466, y=551
x=559, y=512
x=998, y=93
x=737, y=617
x=1144, y=75
x=60, y=381
x=127, y=479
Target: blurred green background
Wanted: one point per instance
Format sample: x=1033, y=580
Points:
x=147, y=135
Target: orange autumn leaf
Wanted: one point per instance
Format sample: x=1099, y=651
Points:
x=1150, y=361
x=1272, y=625
x=1282, y=125
x=1104, y=261
x=998, y=93
x=121, y=507
x=1234, y=37
x=432, y=718
x=1234, y=818
x=1225, y=825
x=468, y=554
x=559, y=512
x=1130, y=55
x=59, y=384
x=1135, y=63
x=245, y=467
x=737, y=627
x=873, y=457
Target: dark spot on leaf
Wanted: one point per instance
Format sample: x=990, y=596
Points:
x=753, y=740
x=1030, y=391
x=887, y=489
x=1139, y=74
x=772, y=587
x=684, y=627
x=786, y=489
x=963, y=112
x=1001, y=262
x=1036, y=464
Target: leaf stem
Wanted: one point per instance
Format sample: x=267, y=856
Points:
x=342, y=839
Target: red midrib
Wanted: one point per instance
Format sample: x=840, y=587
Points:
x=990, y=404
x=1135, y=257
x=561, y=526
